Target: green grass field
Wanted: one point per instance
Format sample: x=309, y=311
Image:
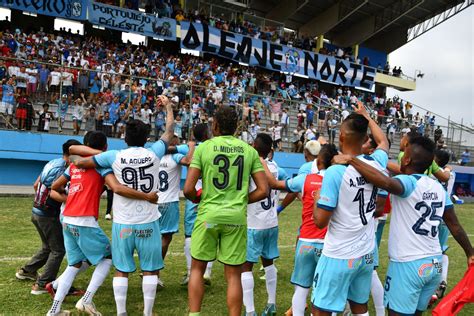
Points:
x=19, y=241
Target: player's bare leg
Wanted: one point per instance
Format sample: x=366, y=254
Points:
x=234, y=289
x=165, y=243
x=196, y=285
x=360, y=309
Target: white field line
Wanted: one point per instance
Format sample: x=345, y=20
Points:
x=175, y=254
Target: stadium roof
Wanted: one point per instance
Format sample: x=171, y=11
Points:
x=378, y=24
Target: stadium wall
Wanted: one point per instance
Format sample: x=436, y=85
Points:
x=23, y=155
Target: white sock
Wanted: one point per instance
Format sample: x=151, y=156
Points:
x=64, y=284
x=364, y=314
x=100, y=273
x=298, y=302
x=209, y=269
x=149, y=284
x=187, y=252
x=83, y=268
x=271, y=282
x=444, y=272
x=377, y=294
x=120, y=285
x=247, y=287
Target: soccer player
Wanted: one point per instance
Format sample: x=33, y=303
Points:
x=442, y=159
x=419, y=204
x=311, y=238
x=201, y=134
x=136, y=223
x=83, y=238
x=347, y=203
x=376, y=289
x=262, y=237
x=168, y=204
x=220, y=231
x=45, y=217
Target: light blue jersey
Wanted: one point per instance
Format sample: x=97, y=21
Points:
x=51, y=171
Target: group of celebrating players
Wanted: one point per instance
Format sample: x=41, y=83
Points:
x=231, y=214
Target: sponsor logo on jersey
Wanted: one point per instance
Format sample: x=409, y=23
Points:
x=125, y=233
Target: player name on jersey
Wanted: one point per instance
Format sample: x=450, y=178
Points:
x=430, y=196
x=358, y=181
x=135, y=161
x=229, y=149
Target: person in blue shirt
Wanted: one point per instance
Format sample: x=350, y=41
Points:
x=159, y=121
x=45, y=217
x=63, y=105
x=309, y=115
x=465, y=157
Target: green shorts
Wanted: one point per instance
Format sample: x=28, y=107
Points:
x=224, y=242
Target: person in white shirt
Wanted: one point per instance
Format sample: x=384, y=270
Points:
x=406, y=129
x=78, y=114
x=344, y=114
x=344, y=271
x=285, y=122
x=169, y=187
x=275, y=130
x=419, y=204
x=67, y=78
x=54, y=80
x=262, y=236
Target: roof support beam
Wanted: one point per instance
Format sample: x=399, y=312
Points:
x=285, y=9
x=331, y=17
x=370, y=26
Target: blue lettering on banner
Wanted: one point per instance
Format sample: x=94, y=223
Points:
x=257, y=52
x=132, y=21
x=70, y=9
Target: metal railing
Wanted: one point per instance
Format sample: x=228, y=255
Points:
x=456, y=135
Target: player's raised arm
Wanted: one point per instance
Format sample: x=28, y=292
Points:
x=378, y=134
x=83, y=163
x=186, y=160
x=127, y=192
x=169, y=127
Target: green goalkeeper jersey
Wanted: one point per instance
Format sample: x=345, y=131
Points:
x=226, y=164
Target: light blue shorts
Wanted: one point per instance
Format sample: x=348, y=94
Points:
x=410, y=285
x=339, y=280
x=307, y=255
x=169, y=220
x=190, y=214
x=262, y=243
x=443, y=235
x=85, y=243
x=145, y=238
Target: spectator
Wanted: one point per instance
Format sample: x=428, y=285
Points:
x=275, y=131
x=90, y=119
x=8, y=101
x=332, y=127
x=465, y=157
x=275, y=111
x=309, y=115
x=54, y=80
x=21, y=112
x=285, y=122
x=77, y=115
x=298, y=138
x=406, y=129
x=438, y=134
x=63, y=105
x=321, y=120
x=45, y=118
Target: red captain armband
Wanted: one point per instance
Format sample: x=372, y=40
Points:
x=198, y=197
x=388, y=206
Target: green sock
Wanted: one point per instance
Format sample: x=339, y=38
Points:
x=195, y=314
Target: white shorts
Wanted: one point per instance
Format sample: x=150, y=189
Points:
x=6, y=108
x=275, y=117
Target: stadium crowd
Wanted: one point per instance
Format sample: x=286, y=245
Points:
x=100, y=84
